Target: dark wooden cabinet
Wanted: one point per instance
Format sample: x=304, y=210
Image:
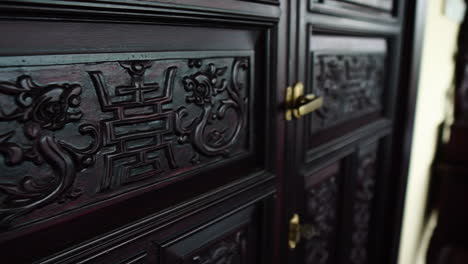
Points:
x=346, y=158
x=156, y=131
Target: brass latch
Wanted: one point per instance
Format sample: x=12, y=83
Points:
x=296, y=231
x=298, y=104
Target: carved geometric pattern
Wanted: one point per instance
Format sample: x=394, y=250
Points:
x=362, y=208
x=120, y=124
x=351, y=85
x=322, y=208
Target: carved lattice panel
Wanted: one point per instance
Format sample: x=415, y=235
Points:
x=75, y=129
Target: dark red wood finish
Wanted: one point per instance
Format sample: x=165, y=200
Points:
x=349, y=159
x=155, y=132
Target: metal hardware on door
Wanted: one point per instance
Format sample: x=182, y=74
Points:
x=298, y=104
x=296, y=231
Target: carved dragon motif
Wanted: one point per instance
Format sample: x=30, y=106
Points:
x=204, y=86
x=40, y=110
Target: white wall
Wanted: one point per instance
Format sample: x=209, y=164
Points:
x=435, y=80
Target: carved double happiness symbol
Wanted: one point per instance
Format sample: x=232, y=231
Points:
x=139, y=126
x=142, y=131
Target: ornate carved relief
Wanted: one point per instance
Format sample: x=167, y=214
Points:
x=137, y=122
x=362, y=208
x=39, y=110
x=351, y=85
x=231, y=250
x=204, y=86
x=131, y=161
x=209, y=131
x=322, y=208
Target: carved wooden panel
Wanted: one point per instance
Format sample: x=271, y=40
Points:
x=77, y=129
x=230, y=248
x=232, y=240
x=322, y=213
x=350, y=83
x=362, y=206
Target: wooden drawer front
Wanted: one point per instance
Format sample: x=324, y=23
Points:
x=231, y=238
x=80, y=129
x=349, y=73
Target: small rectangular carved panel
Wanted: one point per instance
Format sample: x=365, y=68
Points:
x=350, y=83
x=322, y=203
x=229, y=248
x=84, y=128
x=232, y=240
x=362, y=205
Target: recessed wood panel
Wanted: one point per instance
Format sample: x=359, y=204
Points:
x=222, y=243
x=363, y=200
x=323, y=192
x=349, y=73
x=77, y=130
x=351, y=85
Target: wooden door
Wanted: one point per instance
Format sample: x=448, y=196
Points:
x=345, y=196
